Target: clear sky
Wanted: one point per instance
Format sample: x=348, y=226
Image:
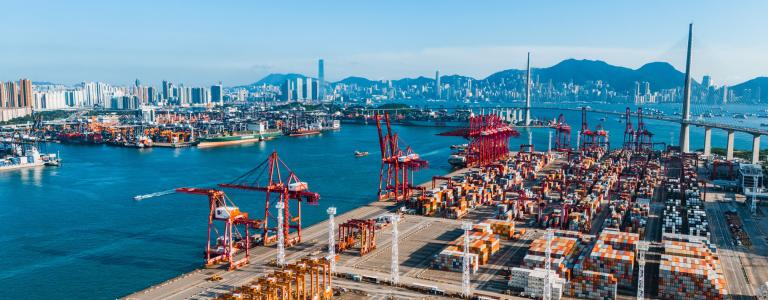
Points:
x=238, y=42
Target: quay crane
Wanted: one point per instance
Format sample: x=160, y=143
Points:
x=629, y=131
x=287, y=188
x=398, y=163
x=643, y=136
x=489, y=139
x=562, y=135
x=235, y=236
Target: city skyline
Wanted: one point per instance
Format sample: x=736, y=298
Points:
x=250, y=42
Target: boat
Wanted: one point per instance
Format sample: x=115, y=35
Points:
x=302, y=132
x=763, y=124
x=235, y=138
x=26, y=156
x=457, y=160
x=458, y=147
x=361, y=153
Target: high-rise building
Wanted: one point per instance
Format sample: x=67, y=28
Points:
x=3, y=96
x=166, y=90
x=25, y=93
x=308, y=89
x=321, y=80
x=300, y=89
x=725, y=94
x=706, y=81
x=217, y=93
x=437, y=84
x=12, y=88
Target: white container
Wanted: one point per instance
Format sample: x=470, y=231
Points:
x=223, y=212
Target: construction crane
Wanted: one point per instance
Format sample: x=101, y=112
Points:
x=398, y=163
x=642, y=247
x=562, y=134
x=287, y=188
x=231, y=240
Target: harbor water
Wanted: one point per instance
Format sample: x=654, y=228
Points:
x=75, y=231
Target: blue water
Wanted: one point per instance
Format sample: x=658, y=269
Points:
x=76, y=232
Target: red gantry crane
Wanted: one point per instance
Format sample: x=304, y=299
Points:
x=489, y=139
x=235, y=235
x=280, y=180
x=562, y=135
x=629, y=131
x=643, y=137
x=398, y=163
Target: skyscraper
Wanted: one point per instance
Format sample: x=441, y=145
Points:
x=437, y=84
x=216, y=93
x=166, y=90
x=300, y=89
x=3, y=96
x=25, y=93
x=706, y=82
x=321, y=80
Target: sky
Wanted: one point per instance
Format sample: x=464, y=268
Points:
x=239, y=42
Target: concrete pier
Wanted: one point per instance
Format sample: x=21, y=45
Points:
x=707, y=141
x=729, y=147
x=755, y=149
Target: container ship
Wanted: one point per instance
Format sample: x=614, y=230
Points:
x=19, y=156
x=235, y=138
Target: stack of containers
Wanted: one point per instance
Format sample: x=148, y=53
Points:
x=592, y=285
x=536, y=279
x=505, y=229
x=614, y=253
x=452, y=259
x=683, y=277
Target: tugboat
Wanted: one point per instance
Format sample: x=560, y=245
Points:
x=361, y=153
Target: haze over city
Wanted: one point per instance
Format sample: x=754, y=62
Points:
x=239, y=42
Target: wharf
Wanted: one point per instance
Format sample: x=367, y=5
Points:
x=420, y=238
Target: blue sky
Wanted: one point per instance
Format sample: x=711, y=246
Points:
x=202, y=42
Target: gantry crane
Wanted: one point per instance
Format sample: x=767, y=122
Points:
x=488, y=140
x=643, y=137
x=398, y=163
x=287, y=188
x=231, y=240
x=562, y=135
x=629, y=131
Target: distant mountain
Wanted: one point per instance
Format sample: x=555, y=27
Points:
x=421, y=80
x=277, y=79
x=359, y=81
x=660, y=75
x=755, y=86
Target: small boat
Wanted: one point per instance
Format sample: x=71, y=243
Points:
x=763, y=124
x=455, y=147
x=361, y=153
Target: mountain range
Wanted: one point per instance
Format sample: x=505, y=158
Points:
x=659, y=75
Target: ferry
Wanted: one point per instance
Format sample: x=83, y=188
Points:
x=235, y=138
x=361, y=153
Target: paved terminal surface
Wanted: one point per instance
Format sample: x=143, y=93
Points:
x=746, y=268
x=420, y=239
